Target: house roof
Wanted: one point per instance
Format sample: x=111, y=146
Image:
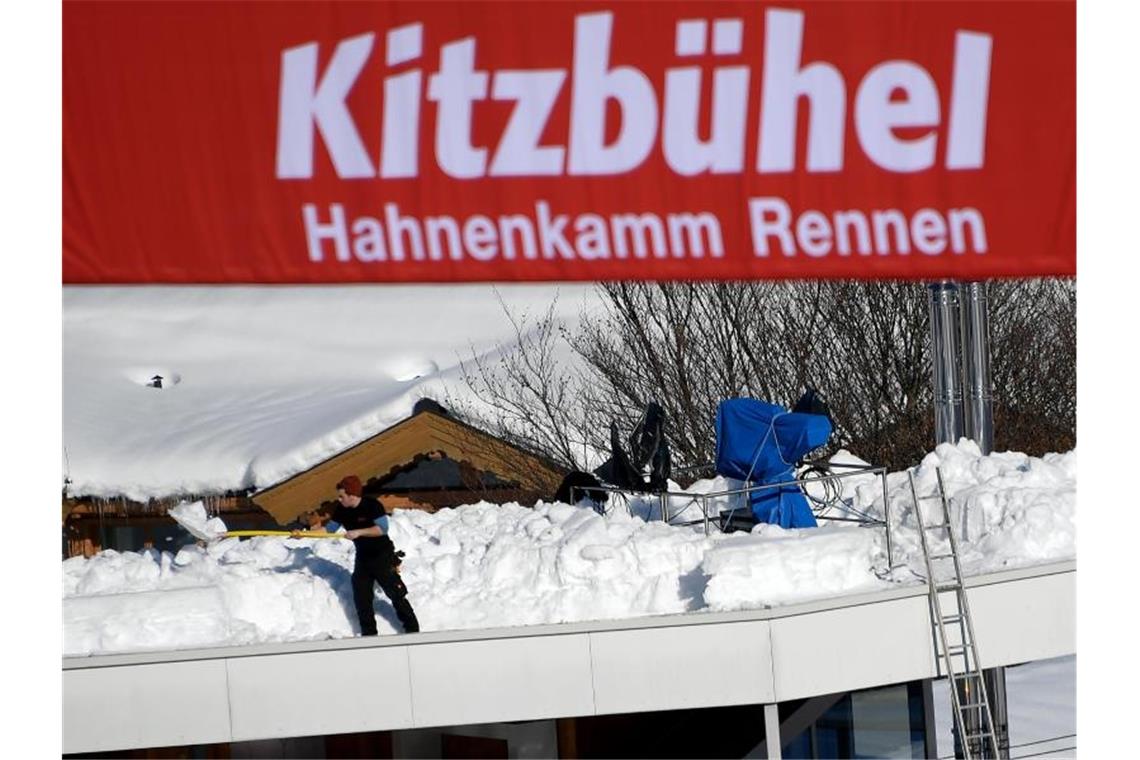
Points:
x=262, y=383
x=429, y=429
x=427, y=473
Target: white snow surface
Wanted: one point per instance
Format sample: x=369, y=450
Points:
x=260, y=383
x=484, y=565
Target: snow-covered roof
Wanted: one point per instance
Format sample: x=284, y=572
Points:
x=488, y=566
x=260, y=383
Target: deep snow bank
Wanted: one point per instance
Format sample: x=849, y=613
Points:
x=485, y=565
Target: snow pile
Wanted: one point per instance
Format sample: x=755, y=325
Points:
x=485, y=565
x=1012, y=509
x=775, y=566
x=194, y=519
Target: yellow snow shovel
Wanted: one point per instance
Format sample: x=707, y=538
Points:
x=284, y=533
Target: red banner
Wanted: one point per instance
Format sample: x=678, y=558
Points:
x=366, y=142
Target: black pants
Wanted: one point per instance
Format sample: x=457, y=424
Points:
x=380, y=569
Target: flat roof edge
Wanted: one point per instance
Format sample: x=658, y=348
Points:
x=557, y=629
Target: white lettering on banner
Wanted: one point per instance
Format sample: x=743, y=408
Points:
x=685, y=152
x=455, y=87
x=638, y=227
x=844, y=232
x=695, y=229
x=368, y=239
x=550, y=232
x=400, y=141
x=398, y=228
x=304, y=104
x=517, y=224
x=479, y=238
x=435, y=228
x=310, y=104
x=541, y=236
x=519, y=153
x=784, y=83
x=966, y=148
x=335, y=230
x=876, y=116
x=594, y=83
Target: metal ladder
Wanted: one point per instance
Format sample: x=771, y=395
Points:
x=968, y=696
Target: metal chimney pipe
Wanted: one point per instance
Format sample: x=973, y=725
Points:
x=960, y=354
x=979, y=415
x=945, y=348
x=980, y=428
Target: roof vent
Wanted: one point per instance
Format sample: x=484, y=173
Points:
x=153, y=377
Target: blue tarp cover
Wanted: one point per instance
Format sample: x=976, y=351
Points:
x=761, y=442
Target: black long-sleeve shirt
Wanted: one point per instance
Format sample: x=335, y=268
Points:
x=366, y=514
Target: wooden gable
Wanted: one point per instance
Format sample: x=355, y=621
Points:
x=424, y=432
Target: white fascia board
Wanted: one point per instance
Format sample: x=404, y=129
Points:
x=154, y=705
x=538, y=672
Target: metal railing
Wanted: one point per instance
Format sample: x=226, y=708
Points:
x=665, y=499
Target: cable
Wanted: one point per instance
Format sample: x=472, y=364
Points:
x=1043, y=741
x=1027, y=744
x=1047, y=752
x=832, y=489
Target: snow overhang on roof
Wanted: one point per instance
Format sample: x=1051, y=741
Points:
x=263, y=383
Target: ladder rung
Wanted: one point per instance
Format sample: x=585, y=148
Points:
x=937, y=526
x=941, y=556
x=963, y=676
x=957, y=649
x=972, y=705
x=952, y=619
x=941, y=587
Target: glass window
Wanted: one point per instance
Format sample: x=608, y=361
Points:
x=886, y=722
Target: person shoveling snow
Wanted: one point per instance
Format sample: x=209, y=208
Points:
x=377, y=560
x=366, y=524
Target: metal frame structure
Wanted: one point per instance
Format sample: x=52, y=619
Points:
x=702, y=499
